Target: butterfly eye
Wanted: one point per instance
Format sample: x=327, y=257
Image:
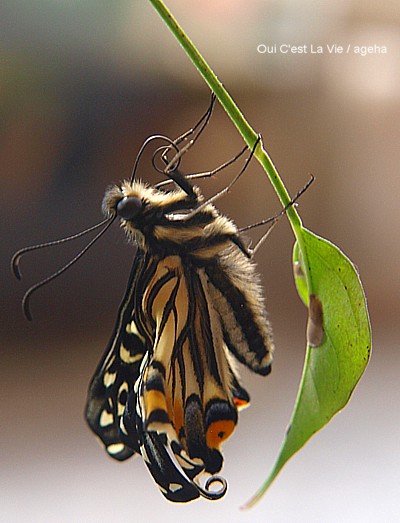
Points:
x=129, y=207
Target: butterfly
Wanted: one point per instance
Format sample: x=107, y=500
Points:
x=167, y=387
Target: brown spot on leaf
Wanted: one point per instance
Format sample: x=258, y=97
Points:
x=315, y=327
x=297, y=270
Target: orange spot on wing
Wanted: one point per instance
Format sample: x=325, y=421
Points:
x=218, y=432
x=240, y=403
x=175, y=414
x=178, y=415
x=154, y=400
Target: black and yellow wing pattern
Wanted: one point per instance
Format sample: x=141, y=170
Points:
x=168, y=387
x=116, y=375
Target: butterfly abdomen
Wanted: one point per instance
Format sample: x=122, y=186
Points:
x=237, y=296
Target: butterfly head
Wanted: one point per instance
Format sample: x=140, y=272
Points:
x=129, y=207
x=142, y=208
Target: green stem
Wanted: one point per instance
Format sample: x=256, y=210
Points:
x=247, y=132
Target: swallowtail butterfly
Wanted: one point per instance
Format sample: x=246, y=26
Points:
x=167, y=387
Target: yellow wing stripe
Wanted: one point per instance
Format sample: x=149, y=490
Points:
x=154, y=400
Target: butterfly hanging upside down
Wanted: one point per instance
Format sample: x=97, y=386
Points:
x=167, y=386
x=193, y=305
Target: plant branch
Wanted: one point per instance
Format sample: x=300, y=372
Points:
x=244, y=128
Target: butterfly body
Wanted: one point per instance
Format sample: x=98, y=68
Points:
x=167, y=386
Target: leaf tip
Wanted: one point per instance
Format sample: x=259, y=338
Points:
x=251, y=502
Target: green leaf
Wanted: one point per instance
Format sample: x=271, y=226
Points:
x=339, y=341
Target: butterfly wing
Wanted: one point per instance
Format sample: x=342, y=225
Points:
x=117, y=372
x=169, y=464
x=166, y=387
x=183, y=400
x=174, y=479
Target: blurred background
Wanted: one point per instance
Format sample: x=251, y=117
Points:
x=81, y=86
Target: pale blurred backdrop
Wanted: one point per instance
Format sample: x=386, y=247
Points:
x=82, y=85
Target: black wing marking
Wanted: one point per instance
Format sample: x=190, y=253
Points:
x=117, y=372
x=169, y=464
x=240, y=395
x=154, y=449
x=168, y=478
x=172, y=483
